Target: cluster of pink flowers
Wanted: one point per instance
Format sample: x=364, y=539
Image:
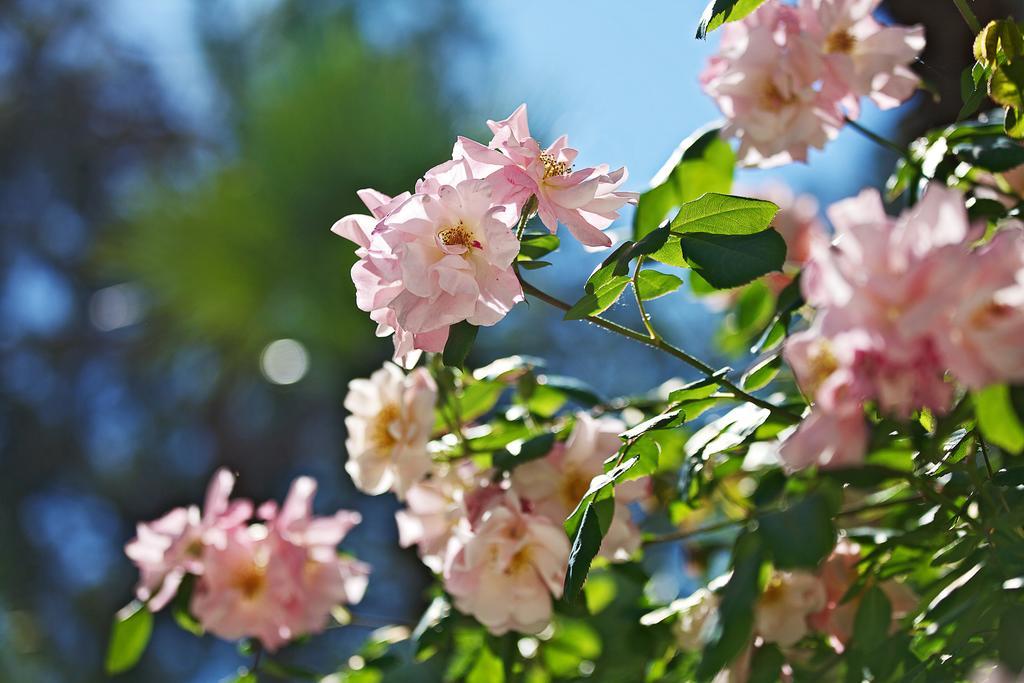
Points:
x=497, y=541
x=786, y=77
x=900, y=303
x=269, y=573
x=499, y=544
x=795, y=604
x=444, y=254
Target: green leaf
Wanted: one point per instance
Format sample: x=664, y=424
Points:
x=666, y=420
x=519, y=452
x=576, y=389
x=488, y=667
x=719, y=12
x=651, y=284
x=766, y=664
x=704, y=162
x=605, y=285
x=733, y=630
x=129, y=636
x=460, y=341
x=761, y=374
x=536, y=246
x=573, y=642
x=599, y=299
x=1010, y=637
x=996, y=154
x=671, y=253
x=997, y=419
x=600, y=486
x=874, y=617
x=597, y=517
x=724, y=214
x=802, y=535
x=727, y=261
x=973, y=90
x=1007, y=84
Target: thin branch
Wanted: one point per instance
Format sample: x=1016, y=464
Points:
x=665, y=347
x=878, y=139
x=968, y=14
x=720, y=526
x=651, y=332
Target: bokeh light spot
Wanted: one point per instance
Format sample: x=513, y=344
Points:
x=284, y=361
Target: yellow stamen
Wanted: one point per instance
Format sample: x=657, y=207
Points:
x=840, y=42
x=380, y=431
x=456, y=234
x=554, y=167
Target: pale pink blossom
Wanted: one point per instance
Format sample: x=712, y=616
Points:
x=781, y=612
x=838, y=573
x=826, y=439
x=279, y=580
x=455, y=250
x=433, y=259
x=168, y=549
x=555, y=484
x=766, y=81
x=508, y=572
x=863, y=57
x=884, y=289
x=391, y=420
x=377, y=278
x=440, y=512
x=586, y=200
x=694, y=614
x=984, y=341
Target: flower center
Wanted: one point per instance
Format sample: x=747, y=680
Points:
x=380, y=432
x=554, y=167
x=772, y=98
x=773, y=592
x=459, y=235
x=520, y=562
x=990, y=314
x=840, y=42
x=573, y=488
x=822, y=364
x=251, y=581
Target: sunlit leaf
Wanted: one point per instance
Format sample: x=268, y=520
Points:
x=728, y=261
x=129, y=636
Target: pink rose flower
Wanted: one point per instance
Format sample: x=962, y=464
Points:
x=171, y=547
x=279, y=580
x=378, y=278
x=838, y=573
x=766, y=81
x=586, y=200
x=555, y=484
x=433, y=259
x=507, y=572
x=438, y=513
x=983, y=344
x=886, y=290
x=391, y=420
x=863, y=57
x=780, y=615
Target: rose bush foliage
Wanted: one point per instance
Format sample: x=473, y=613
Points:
x=850, y=506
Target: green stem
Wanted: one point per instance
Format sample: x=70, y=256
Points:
x=665, y=347
x=720, y=526
x=651, y=332
x=968, y=14
x=878, y=139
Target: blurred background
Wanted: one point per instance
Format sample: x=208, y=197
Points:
x=171, y=298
